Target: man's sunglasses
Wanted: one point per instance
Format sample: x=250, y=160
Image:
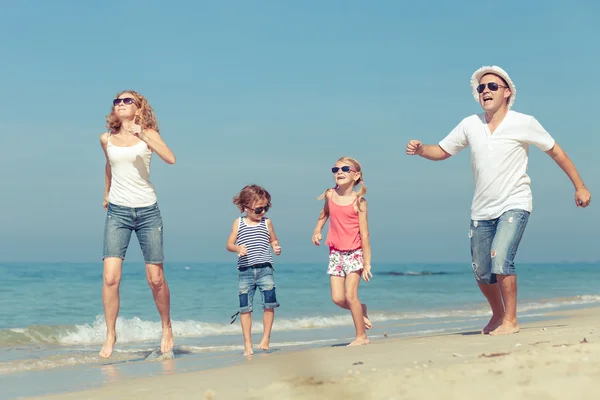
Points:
x=126, y=100
x=260, y=210
x=345, y=168
x=492, y=85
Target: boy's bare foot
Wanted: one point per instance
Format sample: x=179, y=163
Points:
x=248, y=351
x=360, y=341
x=166, y=344
x=507, y=328
x=494, y=322
x=264, y=344
x=107, y=349
x=368, y=324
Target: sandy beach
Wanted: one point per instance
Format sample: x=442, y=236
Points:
x=558, y=358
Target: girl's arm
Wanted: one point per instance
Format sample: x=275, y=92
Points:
x=107, y=170
x=274, y=240
x=323, y=216
x=231, y=246
x=363, y=224
x=157, y=145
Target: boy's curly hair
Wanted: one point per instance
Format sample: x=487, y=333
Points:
x=250, y=194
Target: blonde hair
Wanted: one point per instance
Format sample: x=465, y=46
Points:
x=356, y=166
x=145, y=117
x=250, y=194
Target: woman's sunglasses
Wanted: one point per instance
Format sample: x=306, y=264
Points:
x=345, y=168
x=492, y=85
x=126, y=100
x=260, y=210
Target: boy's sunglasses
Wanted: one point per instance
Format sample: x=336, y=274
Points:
x=126, y=100
x=345, y=168
x=492, y=85
x=260, y=210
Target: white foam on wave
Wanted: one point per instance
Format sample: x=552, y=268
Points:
x=137, y=330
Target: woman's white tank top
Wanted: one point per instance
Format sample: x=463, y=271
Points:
x=130, y=166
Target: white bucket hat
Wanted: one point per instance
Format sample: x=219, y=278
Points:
x=477, y=75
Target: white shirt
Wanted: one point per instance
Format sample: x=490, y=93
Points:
x=130, y=167
x=499, y=160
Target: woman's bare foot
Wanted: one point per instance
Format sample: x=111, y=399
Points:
x=507, y=328
x=248, y=351
x=264, y=344
x=494, y=323
x=166, y=344
x=368, y=324
x=360, y=341
x=107, y=349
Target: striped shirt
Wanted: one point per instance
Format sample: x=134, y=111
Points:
x=257, y=240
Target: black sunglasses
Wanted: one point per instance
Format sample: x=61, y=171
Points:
x=260, y=210
x=126, y=100
x=345, y=168
x=492, y=85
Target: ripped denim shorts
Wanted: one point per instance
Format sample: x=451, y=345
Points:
x=261, y=277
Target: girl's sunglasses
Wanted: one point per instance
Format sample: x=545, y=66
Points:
x=126, y=100
x=492, y=85
x=345, y=168
x=260, y=210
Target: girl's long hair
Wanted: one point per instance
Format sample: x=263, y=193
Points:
x=145, y=118
x=356, y=166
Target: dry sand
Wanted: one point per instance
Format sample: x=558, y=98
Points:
x=557, y=359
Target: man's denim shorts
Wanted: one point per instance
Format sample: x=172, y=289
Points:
x=494, y=244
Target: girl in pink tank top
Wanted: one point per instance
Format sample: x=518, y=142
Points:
x=348, y=241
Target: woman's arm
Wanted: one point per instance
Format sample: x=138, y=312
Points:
x=107, y=170
x=156, y=144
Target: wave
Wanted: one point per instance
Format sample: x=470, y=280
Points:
x=420, y=273
x=135, y=330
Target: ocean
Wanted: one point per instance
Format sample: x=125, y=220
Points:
x=52, y=325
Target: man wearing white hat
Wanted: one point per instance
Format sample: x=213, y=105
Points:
x=499, y=139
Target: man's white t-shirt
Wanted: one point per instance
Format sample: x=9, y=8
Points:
x=499, y=160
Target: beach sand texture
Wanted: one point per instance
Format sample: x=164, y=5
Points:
x=553, y=359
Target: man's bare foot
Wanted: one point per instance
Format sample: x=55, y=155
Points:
x=107, y=349
x=507, y=328
x=494, y=323
x=368, y=324
x=360, y=341
x=248, y=351
x=166, y=344
x=264, y=344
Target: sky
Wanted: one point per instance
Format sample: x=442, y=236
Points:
x=273, y=93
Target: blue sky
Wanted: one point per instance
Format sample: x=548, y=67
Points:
x=273, y=93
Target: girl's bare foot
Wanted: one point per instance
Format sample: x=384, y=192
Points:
x=166, y=344
x=107, y=349
x=248, y=351
x=360, y=341
x=264, y=344
x=368, y=324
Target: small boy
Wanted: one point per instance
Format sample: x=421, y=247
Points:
x=251, y=237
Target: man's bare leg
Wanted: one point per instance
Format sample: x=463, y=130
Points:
x=508, y=287
x=494, y=297
x=268, y=317
x=113, y=267
x=162, y=298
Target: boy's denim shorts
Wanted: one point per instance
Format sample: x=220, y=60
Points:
x=147, y=224
x=494, y=244
x=261, y=277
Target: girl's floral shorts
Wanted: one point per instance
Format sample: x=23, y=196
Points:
x=344, y=262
